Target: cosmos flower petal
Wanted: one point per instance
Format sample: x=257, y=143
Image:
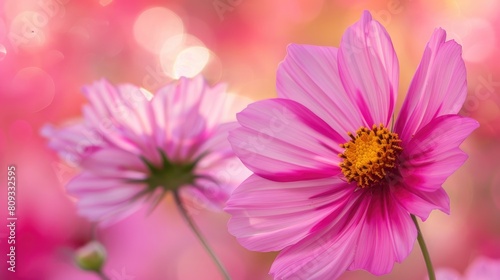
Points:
x=115, y=163
x=107, y=215
x=368, y=224
x=219, y=106
x=110, y=196
x=98, y=199
x=89, y=182
x=386, y=231
x=74, y=142
x=329, y=250
x=216, y=182
x=193, y=109
x=217, y=146
x=279, y=139
x=143, y=141
x=434, y=154
x=317, y=257
x=421, y=203
x=309, y=75
x=206, y=195
x=121, y=106
x=438, y=88
x=369, y=70
x=269, y=215
x=219, y=170
x=119, y=114
x=102, y=97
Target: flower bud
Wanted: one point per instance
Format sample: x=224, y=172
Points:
x=91, y=256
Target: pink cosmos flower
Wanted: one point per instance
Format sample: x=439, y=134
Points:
x=481, y=268
x=133, y=147
x=334, y=180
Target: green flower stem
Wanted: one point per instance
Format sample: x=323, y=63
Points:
x=102, y=275
x=197, y=232
x=425, y=252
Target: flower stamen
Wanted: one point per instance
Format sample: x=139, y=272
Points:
x=369, y=155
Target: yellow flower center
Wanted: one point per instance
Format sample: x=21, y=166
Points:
x=369, y=155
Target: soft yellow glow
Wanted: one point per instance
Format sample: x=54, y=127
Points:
x=191, y=61
x=155, y=26
x=183, y=55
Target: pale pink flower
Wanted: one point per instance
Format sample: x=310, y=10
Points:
x=133, y=147
x=481, y=268
x=334, y=181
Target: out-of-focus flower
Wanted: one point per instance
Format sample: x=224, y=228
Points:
x=134, y=147
x=335, y=181
x=481, y=268
x=91, y=256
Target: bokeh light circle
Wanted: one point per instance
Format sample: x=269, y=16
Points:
x=179, y=51
x=190, y=61
x=155, y=26
x=33, y=88
x=26, y=30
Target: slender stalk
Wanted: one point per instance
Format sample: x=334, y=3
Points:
x=425, y=252
x=102, y=275
x=200, y=237
x=93, y=235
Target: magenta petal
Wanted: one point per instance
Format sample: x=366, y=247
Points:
x=106, y=215
x=438, y=88
x=73, y=142
x=387, y=234
x=321, y=256
x=329, y=250
x=104, y=190
x=178, y=117
x=219, y=169
x=369, y=69
x=284, y=141
x=119, y=193
x=269, y=215
x=421, y=203
x=217, y=146
x=309, y=75
x=120, y=115
x=116, y=107
x=218, y=160
x=433, y=154
x=127, y=134
x=115, y=163
x=102, y=198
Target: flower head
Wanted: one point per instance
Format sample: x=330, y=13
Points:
x=335, y=181
x=133, y=146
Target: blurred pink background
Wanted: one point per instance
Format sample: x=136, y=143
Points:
x=49, y=49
